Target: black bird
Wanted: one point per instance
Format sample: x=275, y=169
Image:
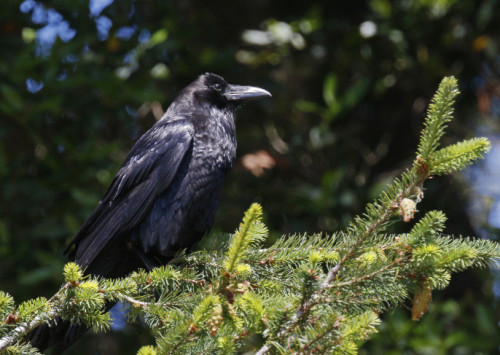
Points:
x=165, y=195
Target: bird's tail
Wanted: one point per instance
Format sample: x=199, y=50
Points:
x=58, y=336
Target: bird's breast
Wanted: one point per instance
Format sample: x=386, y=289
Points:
x=214, y=144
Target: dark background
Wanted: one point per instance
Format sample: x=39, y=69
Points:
x=80, y=82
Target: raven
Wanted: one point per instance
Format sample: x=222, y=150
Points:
x=165, y=195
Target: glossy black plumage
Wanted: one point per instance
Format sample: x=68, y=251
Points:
x=165, y=195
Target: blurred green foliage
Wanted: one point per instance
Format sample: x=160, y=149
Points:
x=350, y=82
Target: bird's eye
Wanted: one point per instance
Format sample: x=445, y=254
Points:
x=217, y=87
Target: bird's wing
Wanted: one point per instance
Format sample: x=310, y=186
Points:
x=147, y=171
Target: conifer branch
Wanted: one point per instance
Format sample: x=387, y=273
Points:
x=457, y=156
x=306, y=349
x=251, y=230
x=393, y=263
x=52, y=312
x=439, y=114
x=401, y=197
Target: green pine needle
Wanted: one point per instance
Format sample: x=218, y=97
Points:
x=457, y=156
x=250, y=232
x=72, y=272
x=439, y=113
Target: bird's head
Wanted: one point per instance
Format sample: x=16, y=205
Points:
x=212, y=89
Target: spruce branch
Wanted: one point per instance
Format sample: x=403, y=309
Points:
x=307, y=347
x=426, y=229
x=78, y=292
x=51, y=312
x=439, y=114
x=21, y=349
x=402, y=258
x=457, y=156
x=400, y=198
x=251, y=231
x=34, y=313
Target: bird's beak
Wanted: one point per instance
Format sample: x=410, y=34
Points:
x=241, y=93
